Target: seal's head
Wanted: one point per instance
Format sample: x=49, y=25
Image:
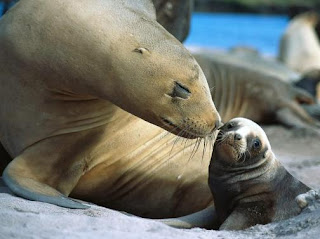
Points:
x=161, y=82
x=241, y=142
x=122, y=54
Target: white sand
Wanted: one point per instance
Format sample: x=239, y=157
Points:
x=20, y=218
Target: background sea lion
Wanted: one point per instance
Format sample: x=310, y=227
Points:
x=64, y=68
x=239, y=90
x=248, y=183
x=254, y=62
x=299, y=45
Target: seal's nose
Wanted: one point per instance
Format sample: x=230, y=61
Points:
x=237, y=136
x=219, y=124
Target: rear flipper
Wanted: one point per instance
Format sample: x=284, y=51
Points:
x=313, y=110
x=293, y=114
x=206, y=218
x=23, y=183
x=309, y=82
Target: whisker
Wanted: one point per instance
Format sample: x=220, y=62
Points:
x=196, y=147
x=176, y=140
x=204, y=148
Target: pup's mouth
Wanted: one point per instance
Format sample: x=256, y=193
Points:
x=183, y=132
x=224, y=140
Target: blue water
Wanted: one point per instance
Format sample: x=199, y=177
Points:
x=225, y=30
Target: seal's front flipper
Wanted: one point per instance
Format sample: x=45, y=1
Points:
x=242, y=218
x=27, y=186
x=206, y=218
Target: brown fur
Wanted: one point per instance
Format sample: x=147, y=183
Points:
x=253, y=188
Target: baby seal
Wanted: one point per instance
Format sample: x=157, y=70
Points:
x=248, y=183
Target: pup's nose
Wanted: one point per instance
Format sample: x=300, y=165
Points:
x=237, y=136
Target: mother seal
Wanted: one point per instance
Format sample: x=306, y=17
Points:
x=66, y=66
x=248, y=183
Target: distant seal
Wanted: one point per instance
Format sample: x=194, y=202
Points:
x=241, y=91
x=67, y=67
x=299, y=45
x=249, y=185
x=252, y=61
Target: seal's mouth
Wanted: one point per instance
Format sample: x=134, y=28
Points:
x=184, y=132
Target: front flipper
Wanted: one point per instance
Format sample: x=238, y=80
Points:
x=206, y=218
x=23, y=183
x=242, y=218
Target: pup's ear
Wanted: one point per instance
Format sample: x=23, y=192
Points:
x=267, y=153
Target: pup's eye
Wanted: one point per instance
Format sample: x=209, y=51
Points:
x=256, y=143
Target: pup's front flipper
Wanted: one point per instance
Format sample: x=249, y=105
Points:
x=244, y=217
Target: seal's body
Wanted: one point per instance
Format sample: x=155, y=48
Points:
x=248, y=183
x=240, y=91
x=66, y=68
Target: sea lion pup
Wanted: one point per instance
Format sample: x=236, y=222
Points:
x=249, y=185
x=67, y=67
x=299, y=45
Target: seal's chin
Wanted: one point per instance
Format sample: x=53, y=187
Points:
x=183, y=132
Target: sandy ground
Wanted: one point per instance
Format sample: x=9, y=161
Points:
x=297, y=150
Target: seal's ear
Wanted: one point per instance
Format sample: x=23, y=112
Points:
x=141, y=50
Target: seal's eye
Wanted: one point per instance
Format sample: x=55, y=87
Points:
x=256, y=144
x=180, y=91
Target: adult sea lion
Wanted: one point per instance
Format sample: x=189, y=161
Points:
x=248, y=183
x=239, y=90
x=252, y=60
x=66, y=66
x=299, y=45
